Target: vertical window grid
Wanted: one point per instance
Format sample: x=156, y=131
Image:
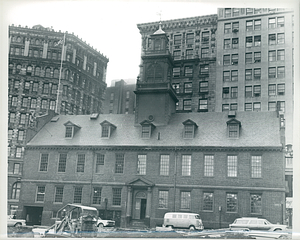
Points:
x=141, y=164
x=119, y=166
x=99, y=163
x=232, y=166
x=163, y=199
x=40, y=194
x=186, y=165
x=97, y=195
x=231, y=202
x=185, y=202
x=59, y=191
x=62, y=162
x=77, y=195
x=208, y=201
x=80, y=163
x=117, y=196
x=44, y=162
x=164, y=165
x=208, y=165
x=256, y=167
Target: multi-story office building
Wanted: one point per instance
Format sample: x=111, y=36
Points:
x=41, y=62
x=119, y=99
x=140, y=166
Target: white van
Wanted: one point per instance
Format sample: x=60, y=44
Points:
x=183, y=220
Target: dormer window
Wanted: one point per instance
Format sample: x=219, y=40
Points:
x=147, y=128
x=233, y=128
x=189, y=129
x=71, y=129
x=107, y=129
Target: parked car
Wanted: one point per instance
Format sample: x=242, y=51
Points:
x=252, y=223
x=191, y=221
x=105, y=223
x=13, y=222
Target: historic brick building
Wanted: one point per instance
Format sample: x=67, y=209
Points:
x=222, y=165
x=37, y=72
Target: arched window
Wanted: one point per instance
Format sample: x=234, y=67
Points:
x=16, y=187
x=19, y=39
x=19, y=68
x=37, y=71
x=29, y=71
x=48, y=72
x=56, y=73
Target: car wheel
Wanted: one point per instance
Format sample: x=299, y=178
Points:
x=18, y=225
x=192, y=228
x=100, y=225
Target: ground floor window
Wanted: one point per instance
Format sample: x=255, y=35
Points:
x=231, y=202
x=163, y=199
x=208, y=200
x=185, y=200
x=117, y=196
x=256, y=203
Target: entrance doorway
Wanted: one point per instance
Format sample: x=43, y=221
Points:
x=140, y=205
x=33, y=215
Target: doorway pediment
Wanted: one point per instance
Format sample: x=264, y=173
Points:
x=140, y=182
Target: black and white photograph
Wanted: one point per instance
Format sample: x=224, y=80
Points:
x=150, y=119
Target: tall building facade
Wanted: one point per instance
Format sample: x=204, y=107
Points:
x=119, y=99
x=43, y=63
x=140, y=166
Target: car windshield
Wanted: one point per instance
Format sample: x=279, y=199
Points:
x=197, y=217
x=89, y=212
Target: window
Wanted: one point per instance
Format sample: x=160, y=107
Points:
x=14, y=101
x=272, y=22
x=189, y=53
x=77, y=195
x=234, y=75
x=227, y=27
x=10, y=134
x=163, y=199
x=225, y=92
x=272, y=72
x=280, y=55
x=69, y=131
x=16, y=188
x=54, y=89
x=97, y=195
x=176, y=87
x=208, y=200
x=190, y=38
x=249, y=41
x=231, y=202
x=27, y=86
x=280, y=38
x=233, y=130
x=188, y=131
x=117, y=196
x=105, y=131
x=62, y=162
x=203, y=87
x=119, y=165
x=44, y=162
x=205, y=37
x=234, y=59
x=100, y=163
x=235, y=27
x=248, y=106
x=176, y=72
x=280, y=22
x=226, y=60
x=48, y=72
x=188, y=87
x=185, y=200
x=18, y=152
x=16, y=169
x=235, y=43
x=257, y=57
x=281, y=89
x=52, y=105
x=23, y=119
x=186, y=165
x=280, y=72
x=256, y=90
x=25, y=102
x=281, y=106
x=256, y=106
x=248, y=74
x=234, y=92
x=249, y=11
x=248, y=58
x=40, y=194
x=203, y=105
x=272, y=56
x=226, y=76
x=235, y=12
x=44, y=103
x=164, y=165
x=248, y=91
x=272, y=106
x=177, y=39
x=256, y=167
x=204, y=69
x=208, y=165
x=141, y=164
x=232, y=166
x=59, y=192
x=146, y=131
x=249, y=25
x=204, y=52
x=227, y=12
x=12, y=117
x=227, y=44
x=256, y=203
x=33, y=103
x=187, y=104
x=177, y=55
x=257, y=24
x=35, y=87
x=272, y=39
x=272, y=89
x=257, y=73
x=225, y=107
x=80, y=163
